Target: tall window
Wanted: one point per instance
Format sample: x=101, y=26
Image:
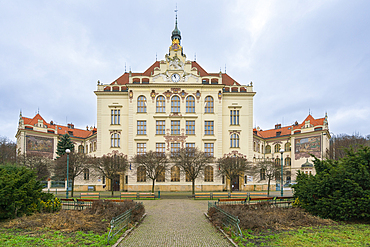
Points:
x=277, y=161
x=175, y=127
x=141, y=127
x=262, y=174
x=160, y=127
x=288, y=161
x=175, y=174
x=94, y=146
x=175, y=147
x=175, y=104
x=208, y=108
x=287, y=147
x=115, y=116
x=190, y=104
x=161, y=104
x=208, y=127
x=115, y=140
x=268, y=149
x=161, y=174
x=81, y=149
x=141, y=148
x=86, y=174
x=234, y=141
x=208, y=149
x=234, y=117
x=141, y=104
x=141, y=174
x=160, y=148
x=277, y=148
x=208, y=174
x=190, y=127
x=190, y=145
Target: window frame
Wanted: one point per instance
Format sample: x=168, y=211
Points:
x=208, y=127
x=160, y=104
x=190, y=104
x=190, y=127
x=141, y=104
x=175, y=104
x=175, y=127
x=208, y=104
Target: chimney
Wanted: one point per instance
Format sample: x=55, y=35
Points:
x=277, y=126
x=51, y=122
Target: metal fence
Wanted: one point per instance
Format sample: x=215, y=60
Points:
x=120, y=222
x=228, y=220
x=76, y=204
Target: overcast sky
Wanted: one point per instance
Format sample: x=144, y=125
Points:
x=301, y=55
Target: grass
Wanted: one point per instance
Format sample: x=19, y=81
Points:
x=47, y=237
x=338, y=235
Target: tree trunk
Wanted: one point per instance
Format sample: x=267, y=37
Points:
x=111, y=185
x=153, y=185
x=268, y=187
x=193, y=186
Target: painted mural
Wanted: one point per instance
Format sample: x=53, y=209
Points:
x=306, y=146
x=36, y=144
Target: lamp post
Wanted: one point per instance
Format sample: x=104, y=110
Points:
x=67, y=152
x=281, y=174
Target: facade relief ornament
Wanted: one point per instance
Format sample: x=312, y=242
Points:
x=170, y=139
x=197, y=95
x=153, y=94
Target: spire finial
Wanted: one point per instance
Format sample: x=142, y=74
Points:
x=176, y=34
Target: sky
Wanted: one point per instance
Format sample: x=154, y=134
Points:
x=302, y=56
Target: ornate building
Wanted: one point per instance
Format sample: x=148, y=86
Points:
x=175, y=103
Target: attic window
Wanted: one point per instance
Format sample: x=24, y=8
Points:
x=70, y=133
x=297, y=132
x=59, y=128
x=205, y=81
x=318, y=128
x=278, y=133
x=51, y=131
x=28, y=128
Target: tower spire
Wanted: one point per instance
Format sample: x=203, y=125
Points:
x=176, y=34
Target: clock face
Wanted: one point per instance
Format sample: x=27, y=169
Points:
x=175, y=77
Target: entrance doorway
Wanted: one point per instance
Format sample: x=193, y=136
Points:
x=235, y=184
x=116, y=183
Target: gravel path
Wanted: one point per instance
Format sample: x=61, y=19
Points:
x=177, y=222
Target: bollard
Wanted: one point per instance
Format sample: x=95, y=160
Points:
x=159, y=194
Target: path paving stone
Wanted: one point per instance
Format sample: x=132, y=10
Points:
x=176, y=222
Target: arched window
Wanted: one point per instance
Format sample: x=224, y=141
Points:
x=268, y=149
x=160, y=174
x=190, y=104
x=86, y=174
x=208, y=108
x=175, y=104
x=262, y=174
x=287, y=147
x=254, y=146
x=175, y=174
x=234, y=141
x=161, y=104
x=277, y=148
x=208, y=174
x=288, y=161
x=141, y=174
x=259, y=148
x=141, y=104
x=277, y=161
x=81, y=149
x=115, y=140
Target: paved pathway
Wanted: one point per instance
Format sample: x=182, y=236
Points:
x=176, y=222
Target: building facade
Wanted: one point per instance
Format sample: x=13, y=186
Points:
x=173, y=104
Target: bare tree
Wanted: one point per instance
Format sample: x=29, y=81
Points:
x=155, y=164
x=111, y=165
x=39, y=163
x=7, y=151
x=233, y=166
x=339, y=144
x=77, y=163
x=266, y=170
x=192, y=161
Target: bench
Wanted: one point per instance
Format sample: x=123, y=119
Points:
x=145, y=195
x=119, y=200
x=258, y=194
x=202, y=195
x=239, y=195
x=128, y=195
x=90, y=195
x=232, y=199
x=220, y=195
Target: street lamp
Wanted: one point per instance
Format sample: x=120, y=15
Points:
x=67, y=152
x=281, y=174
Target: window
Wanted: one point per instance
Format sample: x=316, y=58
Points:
x=115, y=140
x=234, y=141
x=94, y=146
x=86, y=174
x=141, y=104
x=141, y=127
x=190, y=104
x=115, y=117
x=268, y=149
x=175, y=104
x=91, y=147
x=208, y=107
x=175, y=174
x=187, y=177
x=208, y=127
x=126, y=179
x=175, y=127
x=175, y=147
x=208, y=174
x=208, y=149
x=234, y=117
x=161, y=174
x=288, y=161
x=103, y=180
x=141, y=148
x=190, y=127
x=160, y=127
x=277, y=161
x=287, y=147
x=223, y=179
x=277, y=148
x=262, y=174
x=87, y=149
x=259, y=148
x=161, y=104
x=160, y=148
x=141, y=174
x=81, y=149
x=245, y=179
x=190, y=145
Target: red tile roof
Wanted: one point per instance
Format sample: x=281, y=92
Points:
x=287, y=129
x=61, y=130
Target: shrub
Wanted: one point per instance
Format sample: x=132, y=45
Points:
x=340, y=190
